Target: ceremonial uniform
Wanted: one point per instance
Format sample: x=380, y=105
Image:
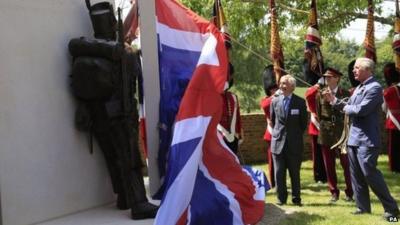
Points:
x=313, y=131
x=265, y=105
x=392, y=101
x=331, y=127
x=230, y=125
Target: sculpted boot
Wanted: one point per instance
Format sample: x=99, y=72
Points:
x=144, y=210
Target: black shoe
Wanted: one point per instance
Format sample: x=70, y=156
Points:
x=391, y=217
x=143, y=211
x=348, y=199
x=359, y=212
x=334, y=199
x=298, y=203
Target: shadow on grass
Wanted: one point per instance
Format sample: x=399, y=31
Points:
x=275, y=215
x=301, y=218
x=313, y=188
x=272, y=215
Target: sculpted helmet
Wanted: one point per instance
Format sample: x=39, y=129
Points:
x=103, y=20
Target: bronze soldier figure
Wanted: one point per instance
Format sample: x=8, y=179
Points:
x=103, y=80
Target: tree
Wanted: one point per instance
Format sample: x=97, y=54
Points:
x=248, y=23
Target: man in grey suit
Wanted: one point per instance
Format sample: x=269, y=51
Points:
x=289, y=120
x=364, y=108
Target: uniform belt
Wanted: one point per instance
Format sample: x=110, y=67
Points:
x=329, y=118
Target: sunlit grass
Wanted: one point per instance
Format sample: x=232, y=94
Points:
x=316, y=209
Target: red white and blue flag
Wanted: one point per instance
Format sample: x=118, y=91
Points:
x=204, y=182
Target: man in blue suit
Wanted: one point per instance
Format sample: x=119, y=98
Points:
x=289, y=120
x=364, y=108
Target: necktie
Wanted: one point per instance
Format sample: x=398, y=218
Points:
x=286, y=104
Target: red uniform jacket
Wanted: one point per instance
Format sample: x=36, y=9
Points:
x=265, y=104
x=392, y=100
x=230, y=100
x=311, y=100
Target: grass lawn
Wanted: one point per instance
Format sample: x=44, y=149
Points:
x=300, y=91
x=316, y=209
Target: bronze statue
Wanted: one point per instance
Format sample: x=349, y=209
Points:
x=104, y=74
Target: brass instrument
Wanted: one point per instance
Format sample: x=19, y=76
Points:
x=342, y=143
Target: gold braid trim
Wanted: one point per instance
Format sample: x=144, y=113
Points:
x=221, y=16
x=397, y=31
x=369, y=41
x=397, y=25
x=276, y=47
x=312, y=16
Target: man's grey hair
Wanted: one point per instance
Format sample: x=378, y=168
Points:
x=290, y=79
x=366, y=63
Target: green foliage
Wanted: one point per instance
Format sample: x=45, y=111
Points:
x=248, y=22
x=338, y=54
x=385, y=55
x=333, y=14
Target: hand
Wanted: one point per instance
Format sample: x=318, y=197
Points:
x=327, y=95
x=241, y=136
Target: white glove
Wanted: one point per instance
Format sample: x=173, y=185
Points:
x=321, y=81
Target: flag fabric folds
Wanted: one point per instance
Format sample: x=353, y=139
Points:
x=312, y=52
x=276, y=47
x=369, y=41
x=204, y=182
x=220, y=21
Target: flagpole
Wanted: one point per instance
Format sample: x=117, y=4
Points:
x=151, y=86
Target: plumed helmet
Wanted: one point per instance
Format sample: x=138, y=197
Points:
x=310, y=76
x=353, y=81
x=269, y=79
x=391, y=74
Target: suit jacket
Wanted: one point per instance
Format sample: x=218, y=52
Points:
x=364, y=108
x=288, y=128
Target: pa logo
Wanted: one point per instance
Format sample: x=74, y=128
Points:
x=393, y=219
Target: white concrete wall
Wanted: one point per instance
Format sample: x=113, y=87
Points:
x=46, y=170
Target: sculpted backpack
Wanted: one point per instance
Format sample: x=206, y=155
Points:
x=95, y=69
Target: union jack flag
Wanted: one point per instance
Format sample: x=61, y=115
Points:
x=204, y=182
